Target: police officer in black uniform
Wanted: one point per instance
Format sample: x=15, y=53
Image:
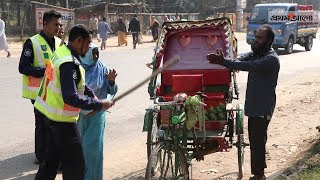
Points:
x=27, y=67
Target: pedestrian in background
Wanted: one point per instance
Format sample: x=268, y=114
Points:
x=101, y=80
x=134, y=28
x=93, y=25
x=122, y=33
x=3, y=38
x=103, y=29
x=36, y=54
x=154, y=26
x=166, y=19
x=263, y=66
x=60, y=32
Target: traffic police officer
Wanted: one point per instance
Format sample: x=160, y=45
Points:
x=61, y=96
x=36, y=53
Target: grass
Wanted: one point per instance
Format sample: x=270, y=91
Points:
x=313, y=173
x=307, y=166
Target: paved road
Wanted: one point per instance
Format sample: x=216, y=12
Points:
x=124, y=142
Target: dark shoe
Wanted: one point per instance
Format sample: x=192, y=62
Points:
x=258, y=177
x=9, y=54
x=36, y=161
x=59, y=169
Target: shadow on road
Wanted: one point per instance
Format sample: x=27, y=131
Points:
x=20, y=167
x=136, y=175
x=282, y=52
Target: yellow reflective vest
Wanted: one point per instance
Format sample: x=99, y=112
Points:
x=49, y=100
x=42, y=55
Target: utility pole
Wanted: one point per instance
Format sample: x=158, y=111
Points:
x=67, y=4
x=162, y=8
x=241, y=4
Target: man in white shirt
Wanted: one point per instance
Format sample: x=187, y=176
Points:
x=3, y=38
x=93, y=25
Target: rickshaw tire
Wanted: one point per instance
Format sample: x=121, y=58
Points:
x=160, y=144
x=240, y=151
x=239, y=119
x=156, y=119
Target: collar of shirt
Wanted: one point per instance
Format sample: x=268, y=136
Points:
x=262, y=54
x=74, y=53
x=51, y=41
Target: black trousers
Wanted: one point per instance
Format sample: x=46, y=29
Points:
x=135, y=37
x=40, y=135
x=63, y=145
x=257, y=127
x=155, y=34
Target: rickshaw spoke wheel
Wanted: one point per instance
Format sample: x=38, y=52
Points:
x=240, y=146
x=164, y=164
x=152, y=134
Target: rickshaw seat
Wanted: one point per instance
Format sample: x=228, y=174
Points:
x=187, y=83
x=178, y=81
x=210, y=76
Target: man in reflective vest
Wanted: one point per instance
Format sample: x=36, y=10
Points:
x=62, y=94
x=36, y=53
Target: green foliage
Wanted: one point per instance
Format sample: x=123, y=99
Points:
x=313, y=173
x=309, y=159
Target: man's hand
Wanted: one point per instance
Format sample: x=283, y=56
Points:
x=107, y=104
x=149, y=65
x=112, y=75
x=216, y=58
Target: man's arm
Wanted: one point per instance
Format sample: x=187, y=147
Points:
x=26, y=61
x=245, y=57
x=69, y=91
x=108, y=28
x=2, y=27
x=89, y=92
x=91, y=24
x=264, y=65
x=129, y=28
x=138, y=26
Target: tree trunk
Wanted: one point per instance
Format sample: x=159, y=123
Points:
x=18, y=15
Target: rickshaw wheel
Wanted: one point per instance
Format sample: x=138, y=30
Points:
x=240, y=147
x=239, y=119
x=152, y=134
x=167, y=162
x=240, y=144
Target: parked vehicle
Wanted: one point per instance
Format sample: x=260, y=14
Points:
x=288, y=31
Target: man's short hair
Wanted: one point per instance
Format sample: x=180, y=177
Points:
x=104, y=19
x=49, y=15
x=269, y=30
x=135, y=15
x=78, y=30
